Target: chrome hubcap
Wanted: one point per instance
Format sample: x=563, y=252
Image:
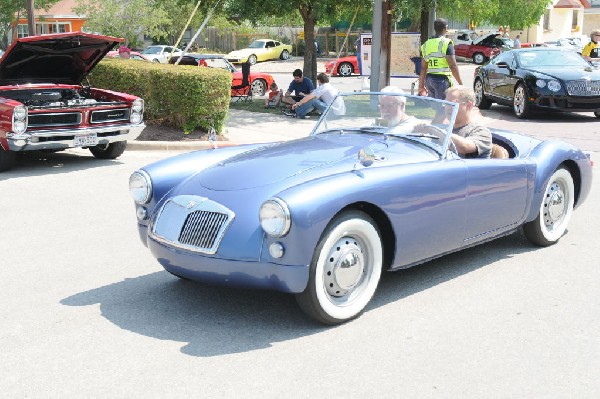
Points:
x=344, y=267
x=554, y=205
x=478, y=92
x=519, y=100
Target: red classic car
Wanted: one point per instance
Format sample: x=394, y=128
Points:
x=483, y=49
x=344, y=66
x=259, y=81
x=43, y=105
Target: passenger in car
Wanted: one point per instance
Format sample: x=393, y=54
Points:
x=471, y=139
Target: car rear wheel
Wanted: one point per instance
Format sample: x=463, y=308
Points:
x=345, y=69
x=259, y=87
x=521, y=106
x=285, y=55
x=479, y=58
x=109, y=151
x=345, y=269
x=555, y=210
x=480, y=99
x=252, y=59
x=7, y=159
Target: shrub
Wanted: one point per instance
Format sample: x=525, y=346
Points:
x=186, y=97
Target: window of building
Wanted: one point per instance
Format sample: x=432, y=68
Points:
x=575, y=23
x=547, y=19
x=44, y=28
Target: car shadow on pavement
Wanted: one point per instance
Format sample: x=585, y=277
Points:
x=38, y=163
x=214, y=321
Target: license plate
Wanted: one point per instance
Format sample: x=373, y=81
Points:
x=86, y=140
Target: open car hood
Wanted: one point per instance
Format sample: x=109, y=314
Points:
x=64, y=58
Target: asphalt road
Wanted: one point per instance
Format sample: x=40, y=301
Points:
x=87, y=312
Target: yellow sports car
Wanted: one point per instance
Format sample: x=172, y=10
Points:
x=261, y=50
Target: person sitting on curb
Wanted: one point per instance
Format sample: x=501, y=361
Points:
x=300, y=86
x=274, y=98
x=324, y=95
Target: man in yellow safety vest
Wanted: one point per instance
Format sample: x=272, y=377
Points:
x=438, y=64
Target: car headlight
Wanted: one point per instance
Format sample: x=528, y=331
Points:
x=19, y=119
x=138, y=105
x=140, y=187
x=274, y=216
x=540, y=83
x=553, y=85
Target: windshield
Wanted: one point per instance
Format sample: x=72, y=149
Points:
x=257, y=44
x=421, y=119
x=152, y=50
x=549, y=58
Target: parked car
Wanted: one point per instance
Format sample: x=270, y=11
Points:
x=161, y=53
x=259, y=81
x=322, y=216
x=44, y=106
x=545, y=78
x=133, y=55
x=261, y=50
x=484, y=48
x=344, y=66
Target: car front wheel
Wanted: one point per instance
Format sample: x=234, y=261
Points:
x=252, y=59
x=345, y=269
x=109, y=151
x=479, y=58
x=555, y=210
x=597, y=114
x=285, y=55
x=259, y=87
x=521, y=107
x=480, y=99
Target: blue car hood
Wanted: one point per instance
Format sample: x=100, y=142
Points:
x=311, y=157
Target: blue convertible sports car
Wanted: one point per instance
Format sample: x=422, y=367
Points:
x=321, y=217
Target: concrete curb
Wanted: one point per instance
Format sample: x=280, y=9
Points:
x=175, y=145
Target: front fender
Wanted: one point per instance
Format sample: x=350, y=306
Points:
x=548, y=157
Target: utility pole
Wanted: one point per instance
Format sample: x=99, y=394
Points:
x=382, y=43
x=30, y=18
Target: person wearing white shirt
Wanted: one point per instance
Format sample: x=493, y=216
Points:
x=392, y=112
x=323, y=96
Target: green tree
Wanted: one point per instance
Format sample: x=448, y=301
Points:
x=311, y=11
x=11, y=9
x=126, y=18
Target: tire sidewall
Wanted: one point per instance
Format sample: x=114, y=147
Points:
x=354, y=224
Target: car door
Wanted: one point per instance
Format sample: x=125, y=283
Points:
x=496, y=73
x=270, y=50
x=496, y=196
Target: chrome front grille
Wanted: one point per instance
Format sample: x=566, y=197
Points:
x=191, y=222
x=583, y=87
x=54, y=119
x=201, y=229
x=110, y=115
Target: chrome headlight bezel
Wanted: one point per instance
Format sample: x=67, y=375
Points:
x=137, y=111
x=553, y=85
x=274, y=217
x=19, y=119
x=140, y=187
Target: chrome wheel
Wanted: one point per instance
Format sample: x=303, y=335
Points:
x=480, y=99
x=252, y=59
x=345, y=69
x=259, y=87
x=520, y=105
x=285, y=55
x=479, y=58
x=555, y=210
x=345, y=270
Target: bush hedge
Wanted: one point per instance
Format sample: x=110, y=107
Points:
x=186, y=97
